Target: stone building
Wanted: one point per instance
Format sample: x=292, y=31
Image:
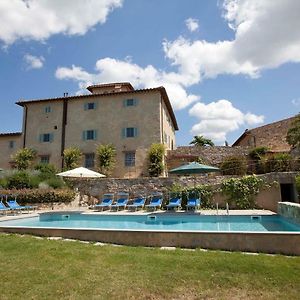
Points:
x=113, y=113
x=272, y=136
x=9, y=144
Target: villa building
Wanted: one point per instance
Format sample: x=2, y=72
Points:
x=272, y=136
x=113, y=113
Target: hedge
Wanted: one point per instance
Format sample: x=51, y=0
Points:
x=39, y=195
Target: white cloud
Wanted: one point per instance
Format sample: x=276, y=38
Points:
x=111, y=70
x=217, y=119
x=33, y=62
x=266, y=36
x=39, y=19
x=296, y=101
x=192, y=24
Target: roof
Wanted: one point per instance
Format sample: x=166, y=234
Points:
x=271, y=135
x=11, y=134
x=160, y=89
x=128, y=84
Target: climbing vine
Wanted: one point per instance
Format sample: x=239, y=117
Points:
x=241, y=192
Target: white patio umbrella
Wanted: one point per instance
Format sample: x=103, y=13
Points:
x=80, y=173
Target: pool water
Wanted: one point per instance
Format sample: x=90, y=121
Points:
x=158, y=222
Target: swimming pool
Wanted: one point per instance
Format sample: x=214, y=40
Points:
x=268, y=234
x=158, y=222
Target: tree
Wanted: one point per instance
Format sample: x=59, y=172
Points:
x=106, y=157
x=201, y=141
x=156, y=159
x=293, y=134
x=72, y=157
x=24, y=158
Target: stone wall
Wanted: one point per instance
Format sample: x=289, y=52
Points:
x=290, y=211
x=266, y=199
x=210, y=155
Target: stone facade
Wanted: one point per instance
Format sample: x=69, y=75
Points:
x=115, y=114
x=210, y=155
x=290, y=211
x=9, y=144
x=271, y=135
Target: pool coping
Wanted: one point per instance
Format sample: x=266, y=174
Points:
x=266, y=242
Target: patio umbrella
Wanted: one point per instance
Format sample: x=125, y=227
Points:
x=194, y=168
x=81, y=173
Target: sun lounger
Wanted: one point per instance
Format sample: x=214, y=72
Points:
x=138, y=202
x=3, y=208
x=193, y=204
x=14, y=205
x=174, y=203
x=107, y=201
x=155, y=202
x=121, y=202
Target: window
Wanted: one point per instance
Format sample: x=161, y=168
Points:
x=129, y=132
x=11, y=144
x=89, y=160
x=130, y=159
x=130, y=102
x=89, y=106
x=47, y=109
x=46, y=137
x=45, y=159
x=165, y=138
x=88, y=135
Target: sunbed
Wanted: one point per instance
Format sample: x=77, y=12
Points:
x=193, y=204
x=3, y=208
x=174, y=203
x=121, y=202
x=155, y=202
x=14, y=205
x=138, y=202
x=107, y=201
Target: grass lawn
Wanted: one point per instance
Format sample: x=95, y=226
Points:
x=47, y=269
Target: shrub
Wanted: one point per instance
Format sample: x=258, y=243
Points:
x=258, y=153
x=297, y=178
x=55, y=182
x=106, y=157
x=156, y=157
x=46, y=171
x=234, y=165
x=35, y=196
x=18, y=180
x=279, y=163
x=72, y=158
x=24, y=158
x=241, y=191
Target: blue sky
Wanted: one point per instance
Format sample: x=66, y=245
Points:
x=227, y=65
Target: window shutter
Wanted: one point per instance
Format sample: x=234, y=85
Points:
x=135, y=132
x=84, y=135
x=124, y=102
x=86, y=106
x=123, y=133
x=135, y=102
x=95, y=105
x=51, y=137
x=95, y=134
x=40, y=138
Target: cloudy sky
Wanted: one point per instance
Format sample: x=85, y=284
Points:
x=227, y=65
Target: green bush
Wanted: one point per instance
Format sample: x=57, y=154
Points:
x=156, y=159
x=234, y=165
x=46, y=171
x=55, y=182
x=258, y=153
x=297, y=178
x=279, y=163
x=18, y=180
x=35, y=196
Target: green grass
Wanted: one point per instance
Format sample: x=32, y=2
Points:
x=46, y=269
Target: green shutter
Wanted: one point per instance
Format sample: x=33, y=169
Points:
x=135, y=102
x=40, y=138
x=84, y=135
x=135, y=130
x=95, y=134
x=95, y=105
x=123, y=133
x=85, y=106
x=124, y=102
x=51, y=137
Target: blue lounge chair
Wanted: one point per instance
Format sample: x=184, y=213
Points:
x=107, y=201
x=3, y=208
x=174, y=203
x=138, y=202
x=14, y=205
x=156, y=201
x=121, y=202
x=193, y=204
